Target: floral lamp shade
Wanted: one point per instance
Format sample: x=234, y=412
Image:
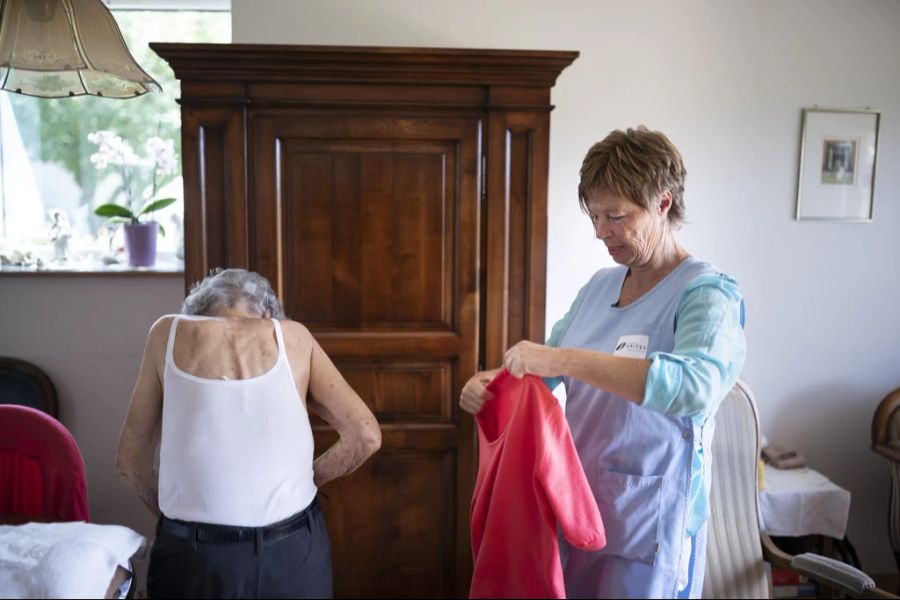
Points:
x=58, y=48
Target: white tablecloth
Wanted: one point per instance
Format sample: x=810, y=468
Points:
x=799, y=502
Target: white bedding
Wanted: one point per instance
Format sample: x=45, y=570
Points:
x=62, y=560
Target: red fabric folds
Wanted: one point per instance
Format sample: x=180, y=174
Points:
x=41, y=470
x=529, y=480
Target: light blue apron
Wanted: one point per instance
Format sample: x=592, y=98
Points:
x=638, y=462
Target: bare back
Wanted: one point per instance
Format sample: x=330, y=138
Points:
x=234, y=349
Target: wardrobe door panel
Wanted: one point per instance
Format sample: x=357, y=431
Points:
x=215, y=201
x=369, y=229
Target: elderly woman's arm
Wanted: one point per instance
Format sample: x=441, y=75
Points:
x=141, y=431
x=335, y=401
x=708, y=356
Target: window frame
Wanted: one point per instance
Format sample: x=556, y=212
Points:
x=168, y=264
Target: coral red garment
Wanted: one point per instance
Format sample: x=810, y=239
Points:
x=529, y=479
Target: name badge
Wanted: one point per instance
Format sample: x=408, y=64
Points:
x=632, y=346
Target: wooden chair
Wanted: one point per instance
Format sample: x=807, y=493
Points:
x=886, y=442
x=26, y=384
x=736, y=548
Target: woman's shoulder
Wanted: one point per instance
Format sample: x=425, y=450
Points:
x=158, y=335
x=710, y=277
x=295, y=330
x=162, y=325
x=711, y=288
x=298, y=344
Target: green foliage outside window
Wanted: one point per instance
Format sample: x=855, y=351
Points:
x=56, y=130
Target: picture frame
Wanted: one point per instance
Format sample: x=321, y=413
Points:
x=838, y=154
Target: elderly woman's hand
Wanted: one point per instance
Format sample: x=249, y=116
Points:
x=528, y=358
x=475, y=394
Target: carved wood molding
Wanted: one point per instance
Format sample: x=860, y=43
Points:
x=270, y=62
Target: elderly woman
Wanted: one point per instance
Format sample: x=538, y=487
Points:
x=223, y=393
x=647, y=352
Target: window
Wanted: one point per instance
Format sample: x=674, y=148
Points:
x=51, y=175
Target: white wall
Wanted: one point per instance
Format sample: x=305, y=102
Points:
x=88, y=334
x=726, y=81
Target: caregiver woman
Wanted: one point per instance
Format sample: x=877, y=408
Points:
x=647, y=352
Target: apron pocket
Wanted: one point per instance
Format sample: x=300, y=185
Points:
x=630, y=507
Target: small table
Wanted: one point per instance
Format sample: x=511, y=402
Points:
x=801, y=502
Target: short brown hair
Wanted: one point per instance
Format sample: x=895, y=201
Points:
x=637, y=164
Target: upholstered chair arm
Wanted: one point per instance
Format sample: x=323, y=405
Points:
x=831, y=573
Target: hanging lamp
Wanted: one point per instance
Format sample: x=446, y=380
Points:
x=59, y=48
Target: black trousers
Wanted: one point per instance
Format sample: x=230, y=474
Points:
x=288, y=559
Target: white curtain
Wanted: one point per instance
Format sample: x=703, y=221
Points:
x=21, y=206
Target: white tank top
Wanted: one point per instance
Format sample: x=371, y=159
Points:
x=234, y=452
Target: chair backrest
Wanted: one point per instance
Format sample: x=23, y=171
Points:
x=26, y=384
x=886, y=441
x=41, y=470
x=734, y=560
x=886, y=421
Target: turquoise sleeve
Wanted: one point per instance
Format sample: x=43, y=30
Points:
x=709, y=352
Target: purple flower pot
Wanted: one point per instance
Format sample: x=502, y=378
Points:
x=140, y=243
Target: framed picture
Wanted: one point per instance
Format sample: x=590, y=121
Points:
x=838, y=148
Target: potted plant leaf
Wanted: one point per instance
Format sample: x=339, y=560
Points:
x=140, y=228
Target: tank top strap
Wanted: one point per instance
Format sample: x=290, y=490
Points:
x=282, y=353
x=170, y=345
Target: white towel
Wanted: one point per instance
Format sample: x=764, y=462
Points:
x=62, y=560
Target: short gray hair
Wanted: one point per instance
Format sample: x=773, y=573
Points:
x=230, y=287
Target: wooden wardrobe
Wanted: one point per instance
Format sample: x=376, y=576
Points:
x=396, y=198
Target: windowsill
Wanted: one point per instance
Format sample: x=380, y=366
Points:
x=98, y=269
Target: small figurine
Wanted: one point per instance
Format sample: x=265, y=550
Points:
x=59, y=235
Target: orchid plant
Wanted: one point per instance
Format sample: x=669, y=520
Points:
x=112, y=150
